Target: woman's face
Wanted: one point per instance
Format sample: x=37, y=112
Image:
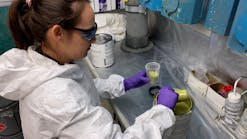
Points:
x=76, y=46
x=65, y=46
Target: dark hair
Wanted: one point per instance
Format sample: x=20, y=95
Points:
x=30, y=24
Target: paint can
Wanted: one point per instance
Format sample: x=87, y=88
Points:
x=101, y=50
x=183, y=112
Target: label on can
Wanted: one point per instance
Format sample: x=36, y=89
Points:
x=102, y=5
x=102, y=51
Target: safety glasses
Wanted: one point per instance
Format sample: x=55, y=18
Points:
x=88, y=34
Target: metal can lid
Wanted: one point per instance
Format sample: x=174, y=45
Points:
x=102, y=38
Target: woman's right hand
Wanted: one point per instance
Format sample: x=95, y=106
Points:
x=167, y=97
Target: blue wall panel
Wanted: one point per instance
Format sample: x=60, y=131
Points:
x=154, y=5
x=220, y=15
x=187, y=11
x=238, y=36
x=181, y=11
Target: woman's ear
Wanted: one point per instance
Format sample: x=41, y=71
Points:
x=57, y=32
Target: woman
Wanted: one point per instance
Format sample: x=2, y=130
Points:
x=57, y=99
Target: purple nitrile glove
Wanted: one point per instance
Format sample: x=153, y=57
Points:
x=168, y=97
x=136, y=81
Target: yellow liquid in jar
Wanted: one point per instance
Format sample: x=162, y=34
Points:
x=153, y=75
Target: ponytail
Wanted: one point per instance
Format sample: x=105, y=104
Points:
x=18, y=19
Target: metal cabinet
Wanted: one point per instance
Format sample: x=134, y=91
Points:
x=181, y=11
x=238, y=36
x=220, y=16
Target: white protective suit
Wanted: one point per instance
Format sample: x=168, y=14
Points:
x=60, y=101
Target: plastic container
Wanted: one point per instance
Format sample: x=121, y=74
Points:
x=233, y=109
x=153, y=71
x=201, y=74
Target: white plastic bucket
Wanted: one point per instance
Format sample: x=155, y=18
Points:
x=101, y=51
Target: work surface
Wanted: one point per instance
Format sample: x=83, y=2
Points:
x=137, y=101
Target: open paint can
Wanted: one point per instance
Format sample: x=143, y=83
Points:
x=182, y=111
